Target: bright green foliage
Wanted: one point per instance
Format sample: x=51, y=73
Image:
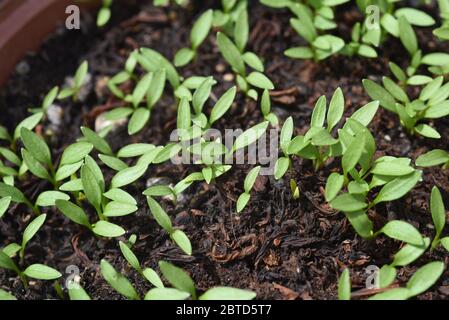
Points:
x=183, y=285
x=112, y=203
x=438, y=213
x=344, y=286
x=35, y=271
x=421, y=281
x=104, y=15
x=148, y=91
x=162, y=218
x=238, y=60
x=198, y=34
x=248, y=185
x=312, y=21
x=432, y=102
x=443, y=31
x=434, y=158
x=424, y=278
x=16, y=167
x=78, y=81
x=148, y=273
x=48, y=101
x=117, y=281
x=4, y=296
x=389, y=178
x=319, y=144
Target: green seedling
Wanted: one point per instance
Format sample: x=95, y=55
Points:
x=236, y=59
x=319, y=144
x=35, y=271
x=432, y=158
x=148, y=91
x=443, y=31
x=422, y=280
x=183, y=286
x=104, y=15
x=37, y=156
x=108, y=204
x=306, y=23
x=265, y=106
x=226, y=18
x=198, y=34
x=391, y=178
x=149, y=274
x=78, y=82
x=432, y=103
x=439, y=218
x=247, y=186
x=164, y=3
x=49, y=99
x=5, y=296
x=163, y=219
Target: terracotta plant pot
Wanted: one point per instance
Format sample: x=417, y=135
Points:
x=24, y=24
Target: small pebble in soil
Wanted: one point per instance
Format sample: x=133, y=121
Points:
x=220, y=68
x=101, y=86
x=23, y=68
x=387, y=138
x=54, y=115
x=391, y=215
x=86, y=88
x=101, y=123
x=157, y=181
x=228, y=77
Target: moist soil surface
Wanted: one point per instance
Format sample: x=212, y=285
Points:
x=278, y=247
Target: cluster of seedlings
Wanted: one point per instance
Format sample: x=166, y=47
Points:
x=78, y=189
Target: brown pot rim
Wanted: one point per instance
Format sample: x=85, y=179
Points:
x=25, y=24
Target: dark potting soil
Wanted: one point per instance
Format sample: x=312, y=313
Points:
x=279, y=247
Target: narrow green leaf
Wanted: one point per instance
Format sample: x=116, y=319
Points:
x=230, y=53
x=180, y=238
x=36, y=146
x=336, y=109
x=153, y=277
x=178, y=278
x=398, y=187
x=425, y=277
x=344, y=286
x=42, y=272
x=160, y=215
x=118, y=281
x=223, y=105
x=348, y=202
x=98, y=142
x=333, y=186
x=48, y=198
x=107, y=229
x=138, y=120
x=403, y=231
x=73, y=212
x=201, y=28
x=130, y=256
x=75, y=153
x=166, y=294
x=227, y=293
x=128, y=176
